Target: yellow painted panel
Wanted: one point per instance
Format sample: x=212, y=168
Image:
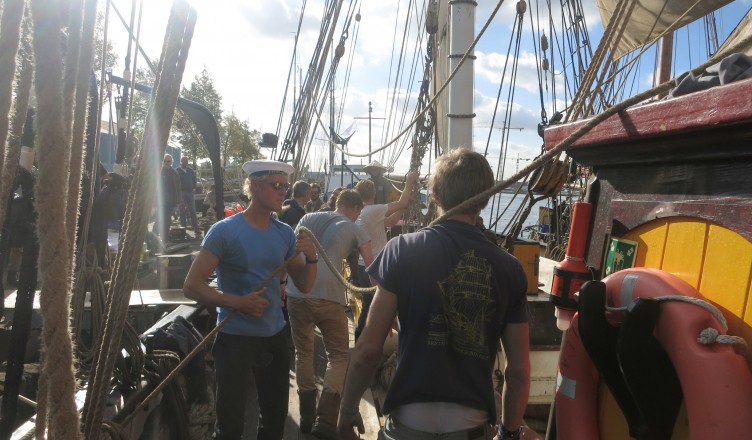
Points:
x=613, y=425
x=611, y=421
x=685, y=249
x=746, y=332
x=718, y=262
x=651, y=240
x=726, y=274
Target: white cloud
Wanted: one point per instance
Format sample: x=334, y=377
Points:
x=247, y=47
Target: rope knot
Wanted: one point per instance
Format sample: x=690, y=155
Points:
x=708, y=336
x=712, y=336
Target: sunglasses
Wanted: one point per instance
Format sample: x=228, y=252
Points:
x=277, y=186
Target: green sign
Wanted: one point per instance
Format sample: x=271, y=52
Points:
x=621, y=255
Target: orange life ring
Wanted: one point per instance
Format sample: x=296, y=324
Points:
x=715, y=381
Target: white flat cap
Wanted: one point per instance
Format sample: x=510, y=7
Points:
x=262, y=167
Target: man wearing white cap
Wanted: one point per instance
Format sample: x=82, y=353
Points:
x=243, y=250
x=383, y=186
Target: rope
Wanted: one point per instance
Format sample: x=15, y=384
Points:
x=53, y=142
x=23, y=91
x=10, y=36
x=201, y=420
x=709, y=335
x=10, y=27
x=171, y=66
x=645, y=47
x=333, y=268
x=85, y=58
x=586, y=127
x=430, y=103
x=210, y=336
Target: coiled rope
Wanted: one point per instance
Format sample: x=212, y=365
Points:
x=709, y=335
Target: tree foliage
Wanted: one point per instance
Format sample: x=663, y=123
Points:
x=238, y=142
x=201, y=90
x=109, y=54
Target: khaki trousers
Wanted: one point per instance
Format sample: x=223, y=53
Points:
x=330, y=318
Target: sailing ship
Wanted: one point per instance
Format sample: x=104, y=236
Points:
x=668, y=190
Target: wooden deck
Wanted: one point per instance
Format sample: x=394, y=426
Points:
x=370, y=404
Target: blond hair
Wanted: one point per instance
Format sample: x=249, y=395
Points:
x=366, y=189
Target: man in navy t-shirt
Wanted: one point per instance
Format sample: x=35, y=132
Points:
x=456, y=294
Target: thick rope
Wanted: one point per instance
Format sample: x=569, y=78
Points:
x=586, y=127
x=23, y=91
x=53, y=142
x=78, y=129
x=89, y=278
x=10, y=30
x=333, y=268
x=709, y=335
x=172, y=63
x=10, y=38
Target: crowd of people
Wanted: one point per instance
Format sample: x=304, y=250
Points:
x=450, y=291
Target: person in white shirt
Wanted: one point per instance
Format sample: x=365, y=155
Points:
x=375, y=218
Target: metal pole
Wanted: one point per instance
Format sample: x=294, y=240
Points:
x=370, y=118
x=370, y=110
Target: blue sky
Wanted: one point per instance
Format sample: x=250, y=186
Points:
x=247, y=48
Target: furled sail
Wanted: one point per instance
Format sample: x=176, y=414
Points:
x=650, y=18
x=740, y=32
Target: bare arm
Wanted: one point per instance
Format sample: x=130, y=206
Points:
x=516, y=343
x=302, y=269
x=196, y=288
x=365, y=252
x=394, y=218
x=364, y=360
x=404, y=199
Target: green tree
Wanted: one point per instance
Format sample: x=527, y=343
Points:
x=239, y=142
x=109, y=54
x=201, y=90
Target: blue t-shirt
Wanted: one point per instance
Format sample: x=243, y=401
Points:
x=247, y=255
x=456, y=290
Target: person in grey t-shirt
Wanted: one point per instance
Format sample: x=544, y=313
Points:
x=324, y=307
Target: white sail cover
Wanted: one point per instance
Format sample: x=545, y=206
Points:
x=649, y=18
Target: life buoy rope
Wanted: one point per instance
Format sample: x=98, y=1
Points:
x=651, y=360
x=709, y=335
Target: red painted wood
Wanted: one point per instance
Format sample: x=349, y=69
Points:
x=716, y=107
